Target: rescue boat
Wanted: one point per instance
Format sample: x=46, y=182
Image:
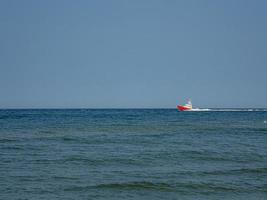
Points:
x=186, y=107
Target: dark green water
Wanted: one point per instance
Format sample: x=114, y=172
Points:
x=132, y=154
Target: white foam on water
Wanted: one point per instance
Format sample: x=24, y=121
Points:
x=228, y=110
x=200, y=109
x=240, y=110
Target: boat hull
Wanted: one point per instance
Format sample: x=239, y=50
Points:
x=183, y=108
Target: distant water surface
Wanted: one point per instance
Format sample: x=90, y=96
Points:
x=133, y=154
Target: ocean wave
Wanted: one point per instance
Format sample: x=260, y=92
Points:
x=135, y=186
x=91, y=162
x=114, y=161
x=12, y=148
x=15, y=116
x=65, y=178
x=70, y=139
x=66, y=160
x=200, y=187
x=77, y=159
x=242, y=171
x=206, y=156
x=257, y=129
x=7, y=140
x=260, y=170
x=126, y=186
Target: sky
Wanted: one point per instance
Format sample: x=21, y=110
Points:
x=133, y=54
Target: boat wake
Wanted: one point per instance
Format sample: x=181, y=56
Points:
x=200, y=109
x=229, y=109
x=189, y=107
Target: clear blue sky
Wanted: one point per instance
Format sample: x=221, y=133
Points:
x=140, y=53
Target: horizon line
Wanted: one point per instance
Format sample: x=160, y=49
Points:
x=119, y=108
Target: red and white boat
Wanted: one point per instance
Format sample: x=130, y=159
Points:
x=186, y=107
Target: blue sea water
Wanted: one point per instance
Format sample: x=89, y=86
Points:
x=133, y=154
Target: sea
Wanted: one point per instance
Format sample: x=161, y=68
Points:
x=142, y=154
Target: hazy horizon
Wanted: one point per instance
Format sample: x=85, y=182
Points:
x=133, y=54
x=140, y=108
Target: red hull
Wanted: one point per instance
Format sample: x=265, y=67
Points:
x=183, y=108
